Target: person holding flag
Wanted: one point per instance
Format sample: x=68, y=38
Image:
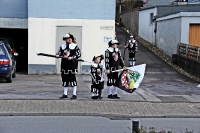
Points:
x=132, y=48
x=71, y=51
x=97, y=76
x=113, y=60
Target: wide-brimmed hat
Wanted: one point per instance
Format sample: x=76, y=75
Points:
x=101, y=56
x=113, y=42
x=68, y=35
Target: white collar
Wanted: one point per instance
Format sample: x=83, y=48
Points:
x=111, y=49
x=132, y=41
x=71, y=46
x=95, y=64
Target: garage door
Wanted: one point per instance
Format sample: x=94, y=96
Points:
x=194, y=38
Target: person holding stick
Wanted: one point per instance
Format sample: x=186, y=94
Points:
x=69, y=66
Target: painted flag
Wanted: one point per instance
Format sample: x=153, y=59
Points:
x=131, y=78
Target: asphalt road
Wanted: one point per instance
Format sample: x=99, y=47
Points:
x=89, y=124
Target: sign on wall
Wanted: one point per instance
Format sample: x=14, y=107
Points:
x=106, y=27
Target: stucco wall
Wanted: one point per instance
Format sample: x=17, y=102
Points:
x=146, y=29
x=14, y=9
x=42, y=38
x=72, y=9
x=130, y=19
x=168, y=35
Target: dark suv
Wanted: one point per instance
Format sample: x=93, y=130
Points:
x=7, y=63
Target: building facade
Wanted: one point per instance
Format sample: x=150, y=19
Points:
x=91, y=22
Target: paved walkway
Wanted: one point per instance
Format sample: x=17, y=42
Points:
x=98, y=108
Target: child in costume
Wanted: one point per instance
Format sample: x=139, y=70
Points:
x=96, y=75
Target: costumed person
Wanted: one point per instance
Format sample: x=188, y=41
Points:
x=113, y=60
x=96, y=75
x=132, y=48
x=69, y=66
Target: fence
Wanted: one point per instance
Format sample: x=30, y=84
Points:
x=189, y=51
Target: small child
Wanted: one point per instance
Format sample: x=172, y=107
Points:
x=96, y=75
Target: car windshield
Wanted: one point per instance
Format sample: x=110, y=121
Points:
x=8, y=42
x=1, y=51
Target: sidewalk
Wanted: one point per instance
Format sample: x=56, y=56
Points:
x=98, y=108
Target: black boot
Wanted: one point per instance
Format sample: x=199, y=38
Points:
x=63, y=96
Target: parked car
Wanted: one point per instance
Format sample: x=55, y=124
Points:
x=7, y=63
x=8, y=41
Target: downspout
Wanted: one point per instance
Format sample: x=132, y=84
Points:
x=155, y=24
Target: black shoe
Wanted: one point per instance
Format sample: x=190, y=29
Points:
x=116, y=96
x=94, y=97
x=74, y=97
x=111, y=96
x=63, y=96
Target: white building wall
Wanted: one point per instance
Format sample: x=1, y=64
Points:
x=42, y=37
x=146, y=29
x=187, y=19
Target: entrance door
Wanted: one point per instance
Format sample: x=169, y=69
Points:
x=194, y=35
x=61, y=31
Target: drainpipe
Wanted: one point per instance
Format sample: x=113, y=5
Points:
x=155, y=24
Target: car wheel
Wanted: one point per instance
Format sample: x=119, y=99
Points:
x=9, y=79
x=14, y=74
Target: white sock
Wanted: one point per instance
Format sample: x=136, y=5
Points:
x=115, y=90
x=74, y=90
x=109, y=90
x=93, y=94
x=65, y=90
x=130, y=63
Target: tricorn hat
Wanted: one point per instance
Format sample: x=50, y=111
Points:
x=68, y=35
x=113, y=42
x=101, y=56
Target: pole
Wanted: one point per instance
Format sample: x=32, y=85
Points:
x=135, y=126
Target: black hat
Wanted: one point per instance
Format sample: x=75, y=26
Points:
x=113, y=42
x=68, y=36
x=101, y=56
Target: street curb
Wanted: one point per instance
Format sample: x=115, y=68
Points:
x=110, y=116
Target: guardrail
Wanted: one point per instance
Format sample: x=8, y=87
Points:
x=189, y=51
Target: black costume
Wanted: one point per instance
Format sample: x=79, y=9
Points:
x=132, y=48
x=69, y=67
x=113, y=60
x=97, y=82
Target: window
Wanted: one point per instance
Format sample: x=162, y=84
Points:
x=151, y=18
x=2, y=51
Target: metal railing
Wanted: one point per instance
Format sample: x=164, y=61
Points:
x=189, y=51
